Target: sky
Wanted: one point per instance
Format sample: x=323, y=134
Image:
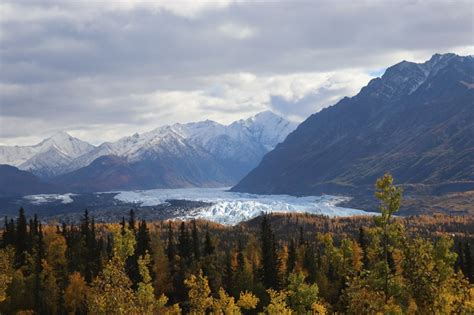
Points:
x=102, y=70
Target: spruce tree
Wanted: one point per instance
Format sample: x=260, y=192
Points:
x=143, y=239
x=195, y=242
x=184, y=247
x=292, y=257
x=208, y=246
x=363, y=245
x=170, y=248
x=468, y=262
x=132, y=221
x=21, y=239
x=269, y=255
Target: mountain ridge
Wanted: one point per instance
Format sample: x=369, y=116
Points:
x=203, y=153
x=416, y=121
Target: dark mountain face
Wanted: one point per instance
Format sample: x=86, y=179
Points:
x=416, y=121
x=159, y=171
x=14, y=182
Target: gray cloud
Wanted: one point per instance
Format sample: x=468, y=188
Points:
x=106, y=69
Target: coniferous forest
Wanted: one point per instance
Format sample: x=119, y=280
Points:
x=275, y=264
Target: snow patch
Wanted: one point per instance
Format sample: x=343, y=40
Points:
x=46, y=198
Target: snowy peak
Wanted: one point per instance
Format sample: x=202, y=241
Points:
x=47, y=158
x=67, y=144
x=268, y=128
x=405, y=77
x=237, y=147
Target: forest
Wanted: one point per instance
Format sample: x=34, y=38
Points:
x=274, y=264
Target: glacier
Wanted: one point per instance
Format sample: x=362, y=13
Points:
x=230, y=208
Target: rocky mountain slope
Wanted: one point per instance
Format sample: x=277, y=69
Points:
x=416, y=121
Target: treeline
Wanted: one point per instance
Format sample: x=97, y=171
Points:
x=280, y=264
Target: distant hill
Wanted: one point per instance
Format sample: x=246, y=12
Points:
x=416, y=121
x=15, y=182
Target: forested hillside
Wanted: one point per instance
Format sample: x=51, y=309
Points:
x=279, y=264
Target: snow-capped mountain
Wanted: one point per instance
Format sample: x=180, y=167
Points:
x=202, y=153
x=48, y=158
x=243, y=142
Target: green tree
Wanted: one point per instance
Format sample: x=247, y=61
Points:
x=301, y=296
x=390, y=198
x=269, y=255
x=111, y=291
x=146, y=301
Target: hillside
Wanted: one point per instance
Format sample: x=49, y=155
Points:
x=15, y=182
x=416, y=121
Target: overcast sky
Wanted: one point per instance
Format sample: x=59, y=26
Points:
x=106, y=69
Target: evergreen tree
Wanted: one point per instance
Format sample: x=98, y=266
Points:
x=143, y=239
x=363, y=245
x=269, y=255
x=292, y=257
x=468, y=262
x=131, y=221
x=390, y=198
x=184, y=245
x=170, y=248
x=302, y=240
x=228, y=276
x=8, y=234
x=208, y=246
x=38, y=255
x=21, y=239
x=309, y=263
x=143, y=246
x=195, y=241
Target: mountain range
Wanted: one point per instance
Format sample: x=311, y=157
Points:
x=416, y=122
x=202, y=154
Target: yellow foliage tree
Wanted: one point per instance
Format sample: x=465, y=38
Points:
x=111, y=291
x=75, y=295
x=6, y=270
x=147, y=303
x=224, y=304
x=51, y=293
x=247, y=301
x=199, y=293
x=277, y=304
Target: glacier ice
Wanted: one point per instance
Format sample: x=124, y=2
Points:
x=232, y=207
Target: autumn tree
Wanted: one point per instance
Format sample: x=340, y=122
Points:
x=7, y=256
x=111, y=291
x=199, y=294
x=390, y=198
x=75, y=295
x=302, y=297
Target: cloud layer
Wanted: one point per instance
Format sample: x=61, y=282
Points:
x=106, y=69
